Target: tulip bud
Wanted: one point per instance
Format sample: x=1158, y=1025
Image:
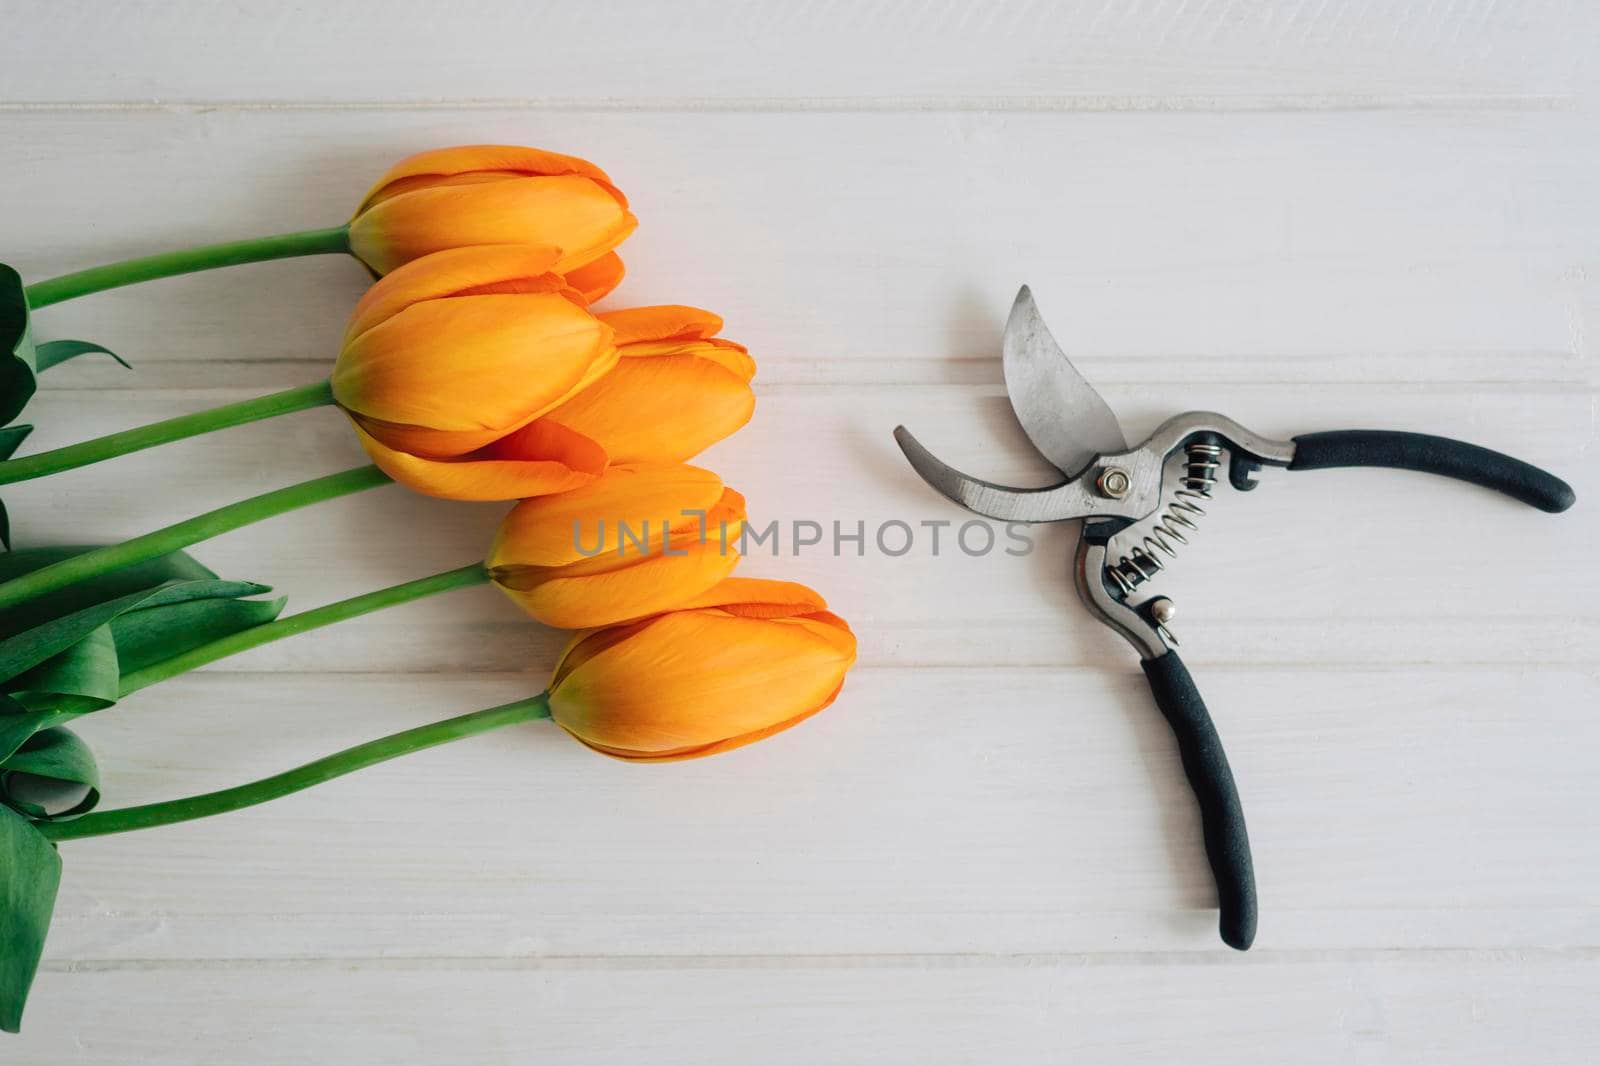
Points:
x=743, y=661
x=491, y=194
x=449, y=360
x=676, y=389
x=643, y=538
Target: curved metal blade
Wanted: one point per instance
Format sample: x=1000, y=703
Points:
x=1053, y=503
x=1060, y=411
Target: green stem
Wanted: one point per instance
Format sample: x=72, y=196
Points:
x=190, y=531
x=315, y=773
x=304, y=622
x=187, y=261
x=132, y=440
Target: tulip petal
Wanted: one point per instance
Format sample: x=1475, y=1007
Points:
x=597, y=279
x=576, y=214
x=662, y=322
x=542, y=533
x=690, y=683
x=717, y=747
x=717, y=529
x=432, y=379
x=533, y=461
x=473, y=159
x=665, y=409
x=754, y=597
x=640, y=589
x=641, y=540
x=459, y=272
x=734, y=358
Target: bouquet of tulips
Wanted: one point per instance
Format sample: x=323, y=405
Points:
x=474, y=368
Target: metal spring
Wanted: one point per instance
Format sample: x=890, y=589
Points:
x=1202, y=460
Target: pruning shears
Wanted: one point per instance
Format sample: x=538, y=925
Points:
x=1138, y=505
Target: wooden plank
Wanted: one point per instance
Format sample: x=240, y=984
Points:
x=1474, y=1009
x=1389, y=808
x=1086, y=52
x=1312, y=249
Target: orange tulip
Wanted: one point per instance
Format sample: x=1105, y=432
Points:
x=677, y=389
x=743, y=661
x=643, y=538
x=448, y=362
x=494, y=194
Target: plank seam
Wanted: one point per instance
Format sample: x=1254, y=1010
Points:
x=1084, y=102
x=886, y=960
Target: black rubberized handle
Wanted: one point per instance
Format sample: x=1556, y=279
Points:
x=1433, y=455
x=1205, y=764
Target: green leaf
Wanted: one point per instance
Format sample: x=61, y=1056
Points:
x=71, y=666
x=17, y=373
x=88, y=669
x=59, y=754
x=53, y=775
x=21, y=359
x=63, y=655
x=30, y=874
x=146, y=637
x=11, y=438
x=31, y=647
x=17, y=729
x=179, y=566
x=175, y=567
x=54, y=353
x=92, y=668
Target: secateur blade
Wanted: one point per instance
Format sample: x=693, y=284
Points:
x=1064, y=417
x=983, y=497
x=1067, y=421
x=1053, y=503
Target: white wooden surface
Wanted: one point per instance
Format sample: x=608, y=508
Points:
x=1309, y=216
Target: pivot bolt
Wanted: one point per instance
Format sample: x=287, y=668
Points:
x=1113, y=482
x=1162, y=610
